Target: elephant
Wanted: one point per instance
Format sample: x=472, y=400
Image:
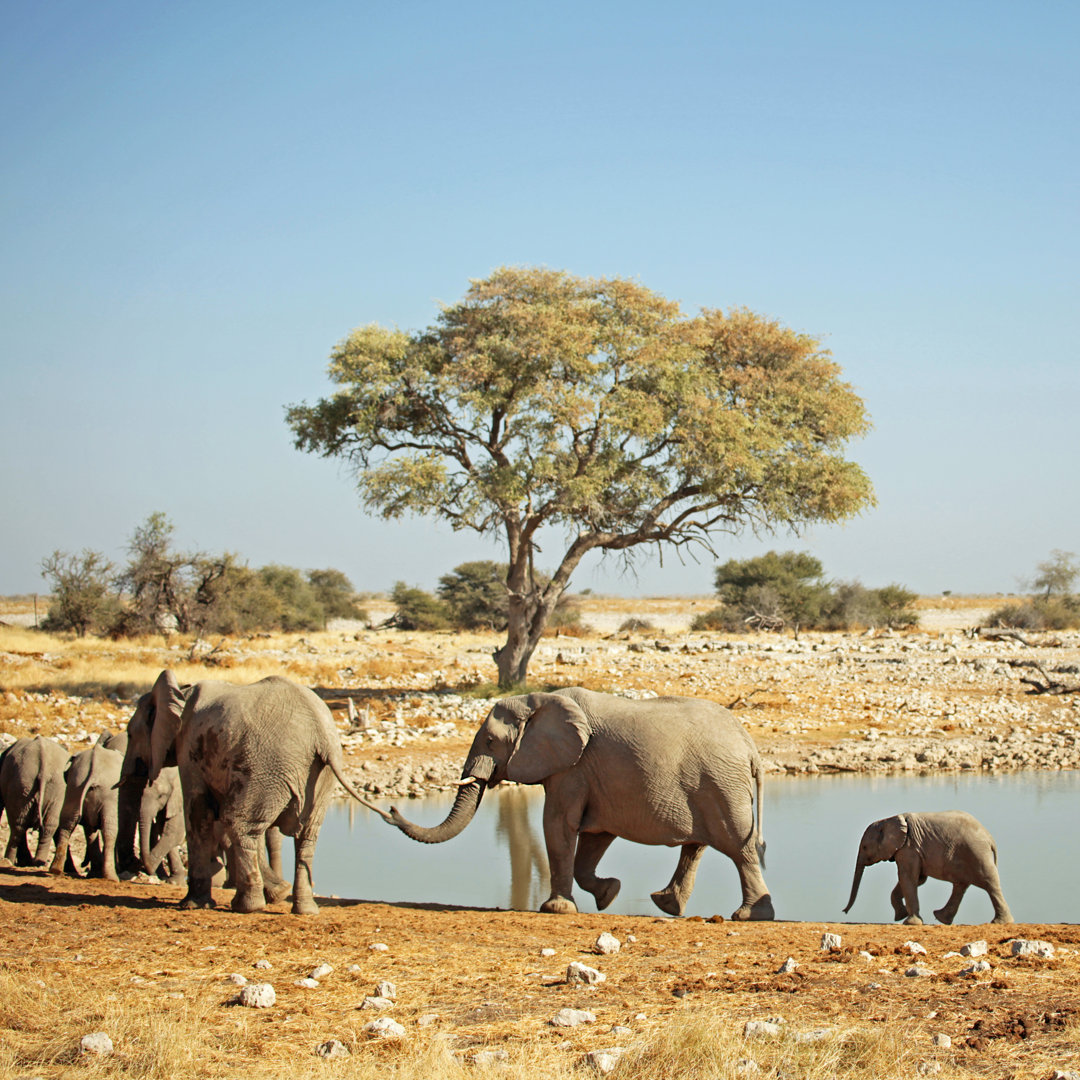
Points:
x=161, y=826
x=250, y=757
x=91, y=799
x=674, y=771
x=32, y=790
x=951, y=846
x=127, y=808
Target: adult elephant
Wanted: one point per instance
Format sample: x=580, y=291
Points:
x=250, y=758
x=91, y=801
x=951, y=846
x=32, y=789
x=681, y=772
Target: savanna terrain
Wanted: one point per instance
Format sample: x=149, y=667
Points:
x=476, y=989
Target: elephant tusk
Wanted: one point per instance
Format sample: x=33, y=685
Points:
x=465, y=781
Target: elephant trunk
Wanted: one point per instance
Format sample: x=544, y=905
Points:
x=146, y=829
x=478, y=771
x=859, y=867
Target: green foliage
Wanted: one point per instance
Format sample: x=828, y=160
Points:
x=543, y=399
x=851, y=606
x=418, y=610
x=1057, y=575
x=81, y=597
x=335, y=595
x=475, y=595
x=1039, y=613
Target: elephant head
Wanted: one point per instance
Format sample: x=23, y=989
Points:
x=880, y=843
x=164, y=794
x=524, y=739
x=151, y=731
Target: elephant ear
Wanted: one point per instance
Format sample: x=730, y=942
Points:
x=894, y=835
x=168, y=704
x=551, y=739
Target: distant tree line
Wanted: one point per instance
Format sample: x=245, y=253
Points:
x=788, y=590
x=1053, y=603
x=162, y=589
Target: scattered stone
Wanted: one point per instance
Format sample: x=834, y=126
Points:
x=873, y=986
x=577, y=972
x=817, y=1035
x=490, y=1057
x=980, y=967
x=386, y=990
x=373, y=1001
x=760, y=1029
x=384, y=1028
x=354, y=969
x=621, y=1029
x=1065, y=1074
x=830, y=941
x=257, y=996
x=918, y=972
x=928, y=1068
x=607, y=944
x=308, y=984
x=1024, y=947
x=604, y=1061
x=942, y=1040
x=547, y=952
x=427, y=1019
x=914, y=948
x=379, y=946
x=867, y=956
x=974, y=948
x=787, y=967
x=572, y=1018
x=321, y=971
x=263, y=964
x=97, y=1043
x=747, y=1067
x=331, y=1050
x=630, y=939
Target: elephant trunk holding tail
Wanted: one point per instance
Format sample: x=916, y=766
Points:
x=678, y=772
x=951, y=846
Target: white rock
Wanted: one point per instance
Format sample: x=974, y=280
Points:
x=354, y=969
x=928, y=1068
x=257, y=996
x=747, y=1067
x=379, y=946
x=787, y=967
x=490, y=1057
x=867, y=956
x=386, y=990
x=918, y=972
x=332, y=1049
x=321, y=971
x=974, y=948
x=384, y=1028
x=97, y=1043
x=308, y=984
x=547, y=952
x=577, y=972
x=427, y=1019
x=1024, y=947
x=572, y=1018
x=263, y=964
x=621, y=1029
x=236, y=980
x=631, y=938
x=978, y=968
x=914, y=948
x=376, y=1002
x=942, y=1040
x=604, y=1061
x=817, y=1035
x=830, y=941
x=1065, y=1074
x=759, y=1029
x=607, y=944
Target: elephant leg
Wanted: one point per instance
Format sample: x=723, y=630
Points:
x=561, y=839
x=997, y=897
x=62, y=854
x=203, y=847
x=673, y=897
x=247, y=872
x=18, y=850
x=947, y=913
x=275, y=887
x=303, y=896
x=273, y=851
x=127, y=812
x=109, y=826
x=176, y=870
x=756, y=900
x=909, y=886
x=896, y=898
x=590, y=850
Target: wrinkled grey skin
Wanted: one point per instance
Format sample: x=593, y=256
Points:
x=91, y=801
x=127, y=809
x=161, y=826
x=250, y=758
x=32, y=790
x=950, y=846
x=681, y=772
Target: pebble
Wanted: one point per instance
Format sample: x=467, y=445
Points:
x=321, y=971
x=386, y=990
x=974, y=948
x=978, y=968
x=373, y=1001
x=578, y=972
x=918, y=972
x=490, y=1057
x=384, y=1028
x=332, y=1049
x=97, y=1043
x=914, y=948
x=604, y=1061
x=236, y=980
x=263, y=964
x=787, y=967
x=547, y=952
x=830, y=941
x=308, y=984
x=1024, y=947
x=257, y=996
x=379, y=946
x=572, y=1018
x=943, y=1041
x=607, y=944
x=759, y=1029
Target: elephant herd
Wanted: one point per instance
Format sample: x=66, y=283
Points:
x=230, y=768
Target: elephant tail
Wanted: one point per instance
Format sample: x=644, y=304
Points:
x=759, y=781
x=334, y=761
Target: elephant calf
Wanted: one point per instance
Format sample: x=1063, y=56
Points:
x=950, y=846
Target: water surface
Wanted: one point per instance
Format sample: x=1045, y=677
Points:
x=812, y=828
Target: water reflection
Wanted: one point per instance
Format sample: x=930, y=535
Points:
x=812, y=826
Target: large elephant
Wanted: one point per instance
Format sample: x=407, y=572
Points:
x=91, y=800
x=32, y=790
x=950, y=846
x=675, y=771
x=250, y=757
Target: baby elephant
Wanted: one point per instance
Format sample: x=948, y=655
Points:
x=951, y=846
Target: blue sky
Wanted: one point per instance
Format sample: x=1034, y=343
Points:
x=198, y=200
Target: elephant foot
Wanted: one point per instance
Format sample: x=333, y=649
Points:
x=668, y=901
x=944, y=916
x=913, y=920
x=305, y=907
x=280, y=891
x=176, y=879
x=57, y=869
x=606, y=890
x=559, y=905
x=110, y=875
x=761, y=910
x=1005, y=917
x=194, y=903
x=248, y=900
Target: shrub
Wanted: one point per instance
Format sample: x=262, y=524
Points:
x=81, y=599
x=1040, y=613
x=635, y=624
x=417, y=610
x=474, y=594
x=778, y=586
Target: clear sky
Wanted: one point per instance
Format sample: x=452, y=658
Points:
x=199, y=199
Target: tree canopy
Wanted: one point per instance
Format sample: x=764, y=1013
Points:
x=595, y=406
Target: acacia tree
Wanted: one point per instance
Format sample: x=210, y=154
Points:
x=594, y=406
